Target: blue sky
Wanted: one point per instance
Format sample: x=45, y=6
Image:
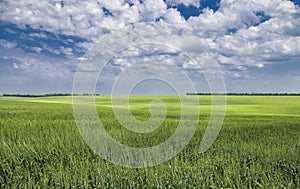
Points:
x=256, y=43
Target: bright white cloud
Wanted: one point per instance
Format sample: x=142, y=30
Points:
x=234, y=33
x=195, y=3
x=150, y=10
x=253, y=44
x=75, y=18
x=7, y=44
x=173, y=17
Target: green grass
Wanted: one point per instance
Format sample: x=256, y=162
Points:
x=258, y=146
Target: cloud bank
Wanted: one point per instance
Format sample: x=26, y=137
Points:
x=249, y=38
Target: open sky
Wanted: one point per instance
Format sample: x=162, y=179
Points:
x=255, y=42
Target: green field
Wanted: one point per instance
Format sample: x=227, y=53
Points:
x=258, y=146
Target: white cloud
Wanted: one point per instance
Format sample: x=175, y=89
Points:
x=8, y=44
x=38, y=35
x=66, y=50
x=234, y=33
x=195, y=3
x=152, y=9
x=37, y=65
x=173, y=17
x=235, y=74
x=75, y=18
x=251, y=43
x=37, y=49
x=15, y=65
x=83, y=18
x=260, y=65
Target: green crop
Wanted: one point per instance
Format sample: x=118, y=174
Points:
x=258, y=146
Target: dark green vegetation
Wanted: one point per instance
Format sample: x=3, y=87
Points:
x=258, y=146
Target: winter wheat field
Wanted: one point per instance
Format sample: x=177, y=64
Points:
x=258, y=145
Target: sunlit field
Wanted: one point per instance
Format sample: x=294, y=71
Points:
x=258, y=145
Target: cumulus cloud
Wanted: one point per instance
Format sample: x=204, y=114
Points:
x=75, y=18
x=250, y=33
x=195, y=3
x=240, y=34
x=8, y=44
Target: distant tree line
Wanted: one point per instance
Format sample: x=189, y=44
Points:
x=247, y=94
x=47, y=95
x=189, y=94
